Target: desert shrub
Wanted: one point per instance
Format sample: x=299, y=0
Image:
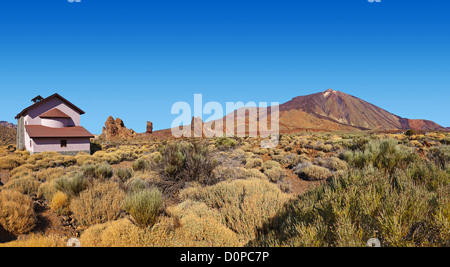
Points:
x=275, y=174
x=98, y=204
x=104, y=171
x=224, y=143
x=410, y=132
x=251, y=163
x=10, y=162
x=141, y=164
x=440, y=155
x=385, y=154
x=333, y=163
x=16, y=212
x=22, y=170
x=60, y=203
x=356, y=143
x=26, y=185
x=89, y=170
x=297, y=169
x=136, y=184
x=71, y=186
x=254, y=199
x=49, y=174
x=144, y=206
x=446, y=141
x=362, y=204
x=85, y=159
x=47, y=190
x=254, y=173
x=314, y=173
x=37, y=240
x=105, y=157
x=124, y=174
x=200, y=226
x=182, y=163
x=270, y=164
x=230, y=173
x=120, y=233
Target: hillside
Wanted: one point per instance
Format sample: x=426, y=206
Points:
x=8, y=124
x=7, y=135
x=350, y=110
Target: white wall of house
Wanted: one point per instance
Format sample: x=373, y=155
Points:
x=54, y=144
x=32, y=117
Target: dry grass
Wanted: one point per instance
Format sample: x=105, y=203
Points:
x=98, y=204
x=254, y=199
x=16, y=212
x=38, y=240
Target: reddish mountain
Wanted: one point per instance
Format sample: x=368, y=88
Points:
x=326, y=111
x=329, y=111
x=7, y=124
x=346, y=109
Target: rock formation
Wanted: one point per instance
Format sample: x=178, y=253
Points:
x=115, y=129
x=149, y=127
x=197, y=127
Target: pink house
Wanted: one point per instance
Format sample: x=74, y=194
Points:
x=52, y=125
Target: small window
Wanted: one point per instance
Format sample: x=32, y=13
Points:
x=63, y=143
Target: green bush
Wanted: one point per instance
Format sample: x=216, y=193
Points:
x=384, y=154
x=124, y=174
x=141, y=164
x=181, y=163
x=26, y=185
x=224, y=143
x=104, y=171
x=364, y=203
x=72, y=186
x=144, y=206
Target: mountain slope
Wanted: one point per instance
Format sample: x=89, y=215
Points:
x=349, y=110
x=7, y=124
x=326, y=112
x=7, y=135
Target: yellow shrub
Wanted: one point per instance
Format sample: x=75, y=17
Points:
x=47, y=190
x=120, y=233
x=49, y=174
x=200, y=226
x=16, y=212
x=254, y=199
x=38, y=240
x=22, y=170
x=26, y=185
x=98, y=204
x=60, y=202
x=10, y=162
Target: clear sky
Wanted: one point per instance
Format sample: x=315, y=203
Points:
x=133, y=59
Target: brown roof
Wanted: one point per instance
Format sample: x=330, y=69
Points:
x=47, y=99
x=39, y=131
x=55, y=113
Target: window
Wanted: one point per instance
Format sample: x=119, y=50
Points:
x=63, y=143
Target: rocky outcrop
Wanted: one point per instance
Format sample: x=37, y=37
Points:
x=197, y=127
x=149, y=127
x=115, y=129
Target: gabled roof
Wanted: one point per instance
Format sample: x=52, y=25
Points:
x=55, y=113
x=39, y=131
x=46, y=100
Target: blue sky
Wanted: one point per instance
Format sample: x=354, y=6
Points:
x=134, y=59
